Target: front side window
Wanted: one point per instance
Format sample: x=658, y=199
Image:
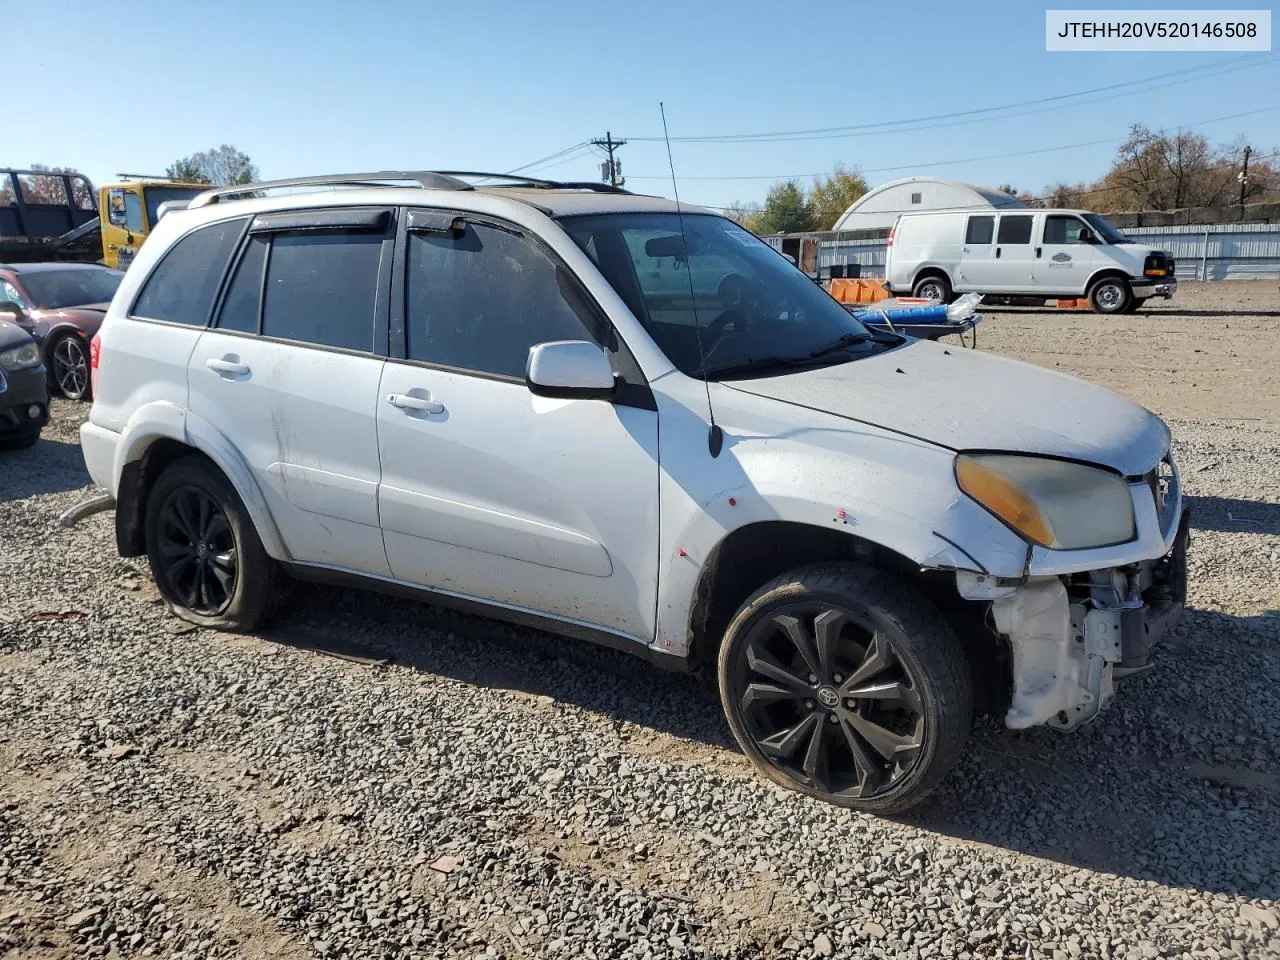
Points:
x=73, y=287
x=182, y=286
x=1106, y=229
x=322, y=288
x=9, y=292
x=1015, y=229
x=1060, y=229
x=132, y=216
x=980, y=230
x=715, y=297
x=479, y=296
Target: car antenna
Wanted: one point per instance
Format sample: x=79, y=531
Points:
x=715, y=436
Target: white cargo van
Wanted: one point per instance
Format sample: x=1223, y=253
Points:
x=1025, y=253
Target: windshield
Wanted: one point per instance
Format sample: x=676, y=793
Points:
x=1105, y=229
x=749, y=306
x=55, y=289
x=158, y=195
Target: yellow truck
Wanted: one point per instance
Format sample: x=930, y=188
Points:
x=51, y=215
x=132, y=207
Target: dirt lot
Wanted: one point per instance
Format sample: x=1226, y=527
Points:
x=455, y=787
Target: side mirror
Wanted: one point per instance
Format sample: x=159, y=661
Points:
x=569, y=369
x=1086, y=235
x=12, y=311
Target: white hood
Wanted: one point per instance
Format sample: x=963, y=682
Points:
x=967, y=400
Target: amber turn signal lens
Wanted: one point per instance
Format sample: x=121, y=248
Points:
x=1004, y=499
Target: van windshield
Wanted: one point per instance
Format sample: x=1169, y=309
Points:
x=1106, y=229
x=727, y=303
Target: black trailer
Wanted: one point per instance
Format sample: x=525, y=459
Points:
x=48, y=216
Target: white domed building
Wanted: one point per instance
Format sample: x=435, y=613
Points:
x=878, y=209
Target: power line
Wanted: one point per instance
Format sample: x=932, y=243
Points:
x=946, y=163
x=552, y=156
x=884, y=127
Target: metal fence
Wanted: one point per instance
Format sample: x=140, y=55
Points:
x=1219, y=251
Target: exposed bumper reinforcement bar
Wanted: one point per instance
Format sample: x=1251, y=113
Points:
x=87, y=508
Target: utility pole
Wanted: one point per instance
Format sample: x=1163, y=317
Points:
x=1244, y=180
x=611, y=169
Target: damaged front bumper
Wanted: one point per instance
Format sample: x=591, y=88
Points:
x=1072, y=635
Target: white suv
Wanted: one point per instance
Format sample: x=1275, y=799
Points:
x=600, y=414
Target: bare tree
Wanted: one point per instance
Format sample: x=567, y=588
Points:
x=223, y=166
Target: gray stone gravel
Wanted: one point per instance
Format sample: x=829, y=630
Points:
x=497, y=792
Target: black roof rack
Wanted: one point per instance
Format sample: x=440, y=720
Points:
x=516, y=180
x=426, y=179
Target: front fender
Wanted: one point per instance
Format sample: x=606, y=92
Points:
x=893, y=491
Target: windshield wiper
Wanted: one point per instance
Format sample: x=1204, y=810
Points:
x=845, y=340
x=757, y=363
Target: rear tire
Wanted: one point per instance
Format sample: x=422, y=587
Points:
x=1110, y=295
x=205, y=554
x=934, y=287
x=843, y=683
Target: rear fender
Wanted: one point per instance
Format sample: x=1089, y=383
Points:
x=164, y=420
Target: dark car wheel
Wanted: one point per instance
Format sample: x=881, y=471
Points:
x=843, y=683
x=206, y=557
x=69, y=367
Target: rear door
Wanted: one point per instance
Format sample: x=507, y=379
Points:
x=488, y=491
x=977, y=267
x=1013, y=265
x=1063, y=263
x=289, y=375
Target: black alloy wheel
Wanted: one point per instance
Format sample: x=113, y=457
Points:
x=844, y=683
x=828, y=701
x=197, y=551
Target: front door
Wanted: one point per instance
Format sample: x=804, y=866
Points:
x=489, y=491
x=1063, y=263
x=125, y=227
x=289, y=374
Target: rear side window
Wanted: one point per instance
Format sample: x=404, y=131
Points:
x=1015, y=229
x=182, y=286
x=322, y=288
x=980, y=230
x=478, y=300
x=241, y=308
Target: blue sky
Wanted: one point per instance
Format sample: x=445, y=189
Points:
x=326, y=86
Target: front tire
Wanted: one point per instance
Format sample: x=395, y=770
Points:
x=205, y=554
x=933, y=287
x=1110, y=295
x=843, y=683
x=24, y=440
x=69, y=368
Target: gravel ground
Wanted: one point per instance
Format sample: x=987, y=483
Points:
x=377, y=778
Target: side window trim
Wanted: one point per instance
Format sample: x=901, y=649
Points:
x=216, y=304
x=633, y=389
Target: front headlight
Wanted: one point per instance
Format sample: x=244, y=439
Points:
x=19, y=358
x=1066, y=506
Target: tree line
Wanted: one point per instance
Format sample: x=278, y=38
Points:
x=1152, y=170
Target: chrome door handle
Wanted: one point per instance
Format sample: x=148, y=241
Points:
x=405, y=401
x=227, y=368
